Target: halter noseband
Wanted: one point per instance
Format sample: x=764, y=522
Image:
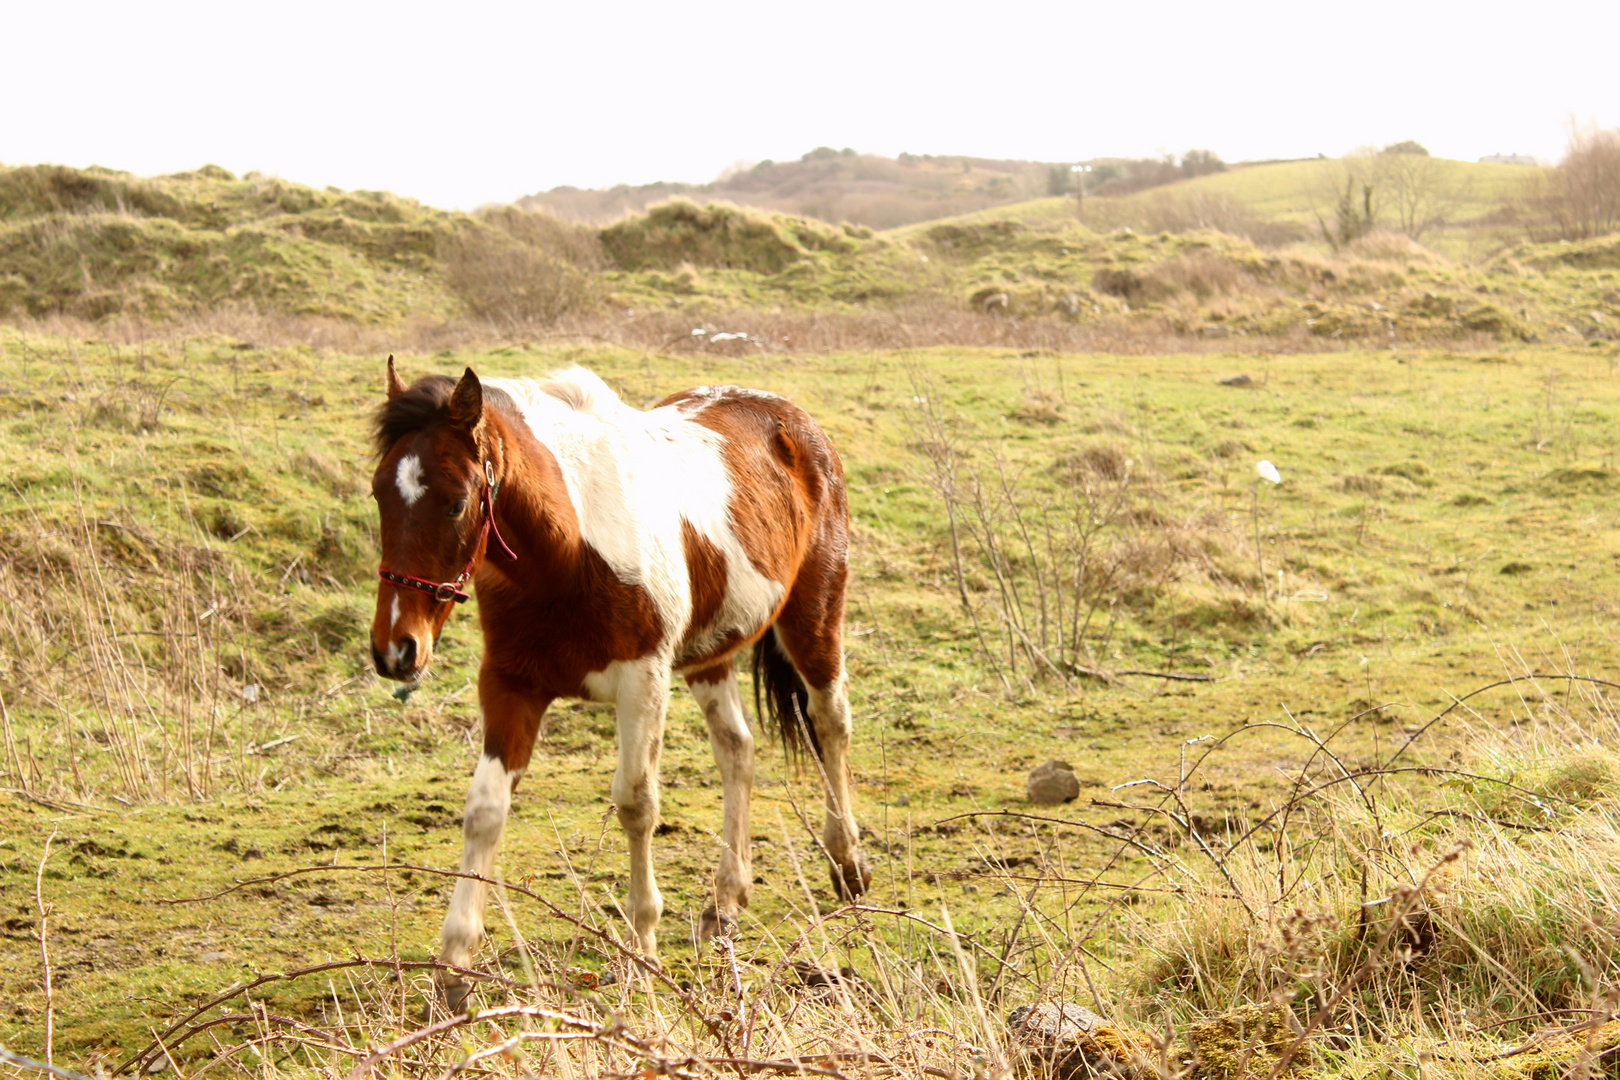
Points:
x=452, y=590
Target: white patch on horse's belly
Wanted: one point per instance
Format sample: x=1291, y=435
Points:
x=409, y=477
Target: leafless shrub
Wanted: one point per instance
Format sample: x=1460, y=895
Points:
x=1584, y=199
x=1047, y=564
x=521, y=268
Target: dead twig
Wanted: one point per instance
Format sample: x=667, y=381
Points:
x=44, y=949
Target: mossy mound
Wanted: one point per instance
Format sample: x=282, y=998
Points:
x=1599, y=253
x=721, y=236
x=94, y=243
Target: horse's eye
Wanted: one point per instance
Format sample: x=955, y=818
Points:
x=456, y=508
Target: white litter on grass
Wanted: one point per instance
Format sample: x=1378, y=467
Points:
x=728, y=336
x=1268, y=471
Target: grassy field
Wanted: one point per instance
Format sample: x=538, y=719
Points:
x=1316, y=773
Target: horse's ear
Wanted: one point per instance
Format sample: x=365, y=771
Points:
x=467, y=401
x=395, y=386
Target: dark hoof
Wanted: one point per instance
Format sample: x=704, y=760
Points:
x=712, y=924
x=453, y=992
x=849, y=882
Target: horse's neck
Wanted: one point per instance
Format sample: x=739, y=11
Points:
x=534, y=506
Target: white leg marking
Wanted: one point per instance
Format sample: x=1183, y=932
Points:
x=409, y=478
x=488, y=800
x=829, y=712
x=733, y=747
x=642, y=699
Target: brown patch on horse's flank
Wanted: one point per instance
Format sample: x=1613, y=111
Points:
x=719, y=673
x=706, y=567
x=766, y=515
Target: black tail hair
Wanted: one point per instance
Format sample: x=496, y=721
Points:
x=780, y=694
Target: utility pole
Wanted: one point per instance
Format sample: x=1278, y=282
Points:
x=1079, y=172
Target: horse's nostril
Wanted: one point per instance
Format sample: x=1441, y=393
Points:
x=377, y=659
x=407, y=654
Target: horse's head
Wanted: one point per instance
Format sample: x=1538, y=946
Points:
x=435, y=486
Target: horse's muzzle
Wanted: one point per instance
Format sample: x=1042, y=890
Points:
x=398, y=662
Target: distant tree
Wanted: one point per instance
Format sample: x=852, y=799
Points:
x=1585, y=197
x=1370, y=186
x=1421, y=190
x=1201, y=163
x=1060, y=180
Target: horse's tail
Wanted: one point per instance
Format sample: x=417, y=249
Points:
x=780, y=694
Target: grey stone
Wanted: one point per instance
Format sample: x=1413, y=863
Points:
x=1051, y=783
x=1070, y=1042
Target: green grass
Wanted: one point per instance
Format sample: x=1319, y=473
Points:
x=188, y=520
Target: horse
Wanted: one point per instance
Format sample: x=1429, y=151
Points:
x=611, y=548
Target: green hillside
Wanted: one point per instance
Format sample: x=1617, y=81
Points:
x=1481, y=207
x=95, y=244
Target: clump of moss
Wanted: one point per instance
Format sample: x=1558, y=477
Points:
x=1245, y=1042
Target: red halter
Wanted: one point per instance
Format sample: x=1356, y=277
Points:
x=452, y=590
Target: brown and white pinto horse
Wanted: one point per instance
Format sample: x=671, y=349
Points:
x=610, y=548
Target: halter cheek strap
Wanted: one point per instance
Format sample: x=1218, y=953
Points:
x=452, y=590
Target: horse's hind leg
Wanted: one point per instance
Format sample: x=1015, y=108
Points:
x=716, y=692
x=817, y=652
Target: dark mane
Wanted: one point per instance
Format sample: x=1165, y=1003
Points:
x=420, y=406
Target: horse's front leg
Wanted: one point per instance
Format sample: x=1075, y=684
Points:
x=716, y=692
x=640, y=689
x=511, y=721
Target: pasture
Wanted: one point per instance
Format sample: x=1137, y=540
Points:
x=1291, y=793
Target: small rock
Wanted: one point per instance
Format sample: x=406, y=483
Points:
x=1070, y=1042
x=1053, y=782
x=1237, y=380
x=212, y=957
x=902, y=799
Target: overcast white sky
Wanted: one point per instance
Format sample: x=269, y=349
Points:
x=463, y=103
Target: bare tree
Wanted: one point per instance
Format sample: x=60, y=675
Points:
x=1587, y=184
x=1417, y=188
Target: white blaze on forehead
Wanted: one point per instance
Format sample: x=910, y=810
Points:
x=409, y=477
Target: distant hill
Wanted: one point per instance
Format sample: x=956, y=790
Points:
x=835, y=186
x=97, y=244
x=1467, y=209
